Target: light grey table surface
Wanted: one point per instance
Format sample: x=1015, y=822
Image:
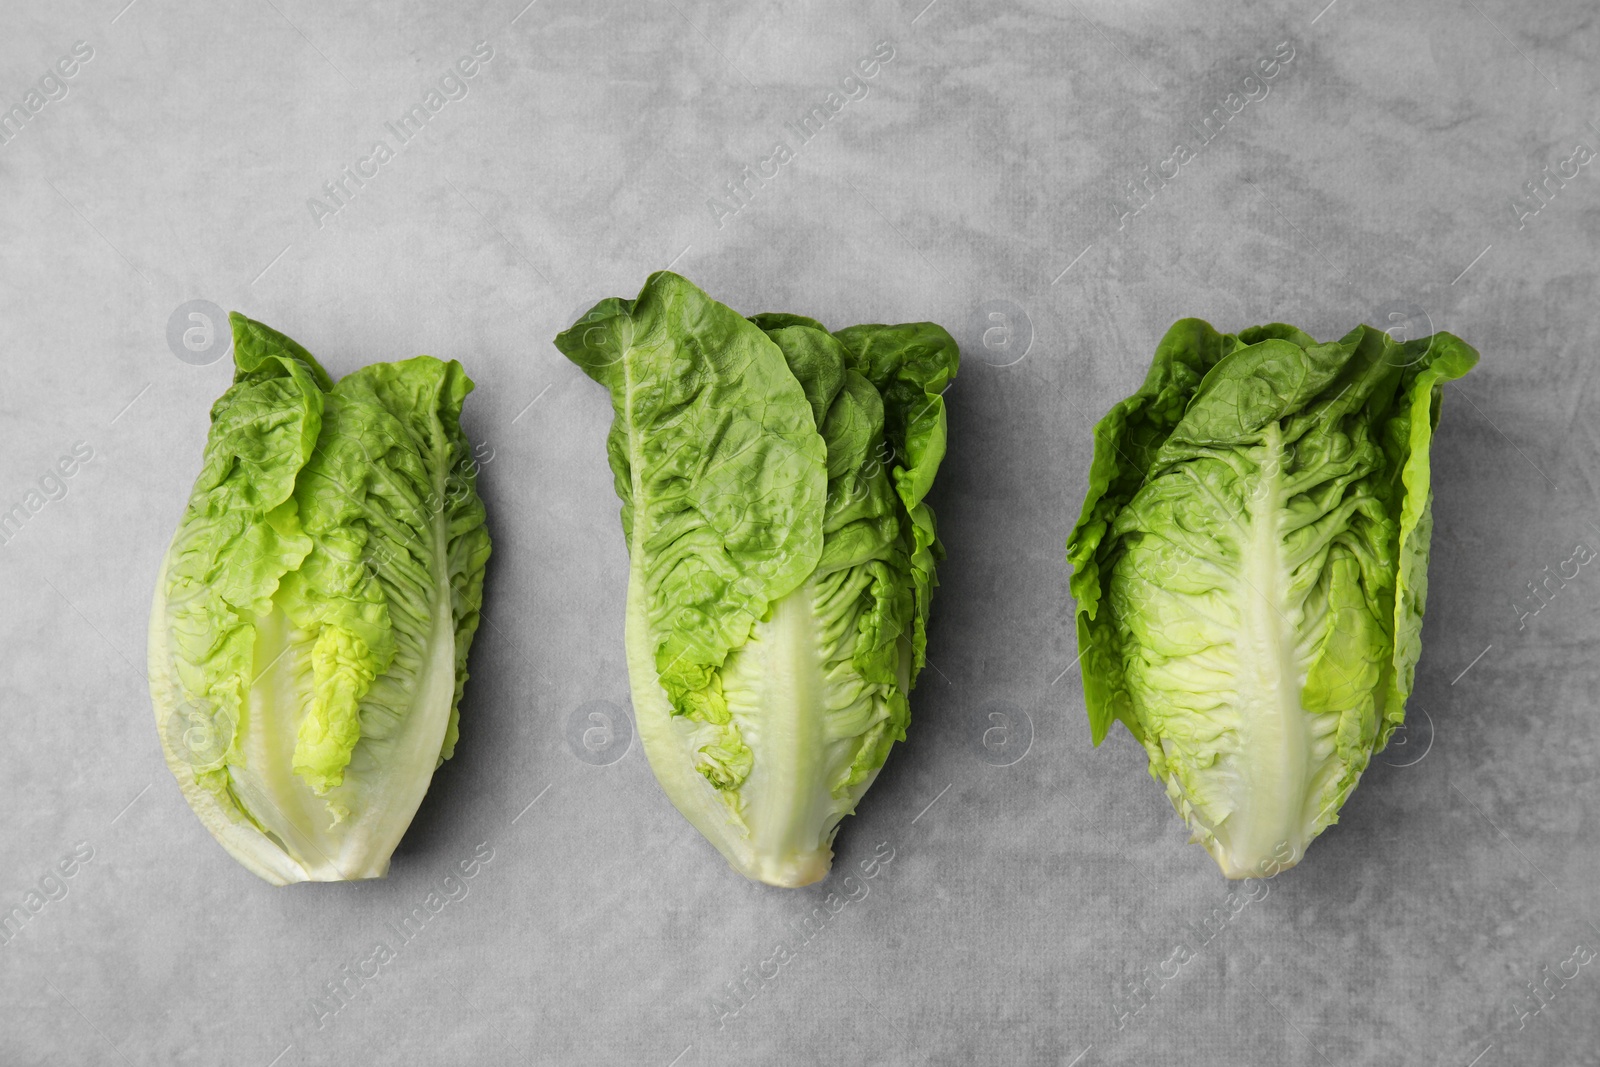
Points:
x=982, y=171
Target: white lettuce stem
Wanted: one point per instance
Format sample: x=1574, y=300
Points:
x=1272, y=762
x=785, y=796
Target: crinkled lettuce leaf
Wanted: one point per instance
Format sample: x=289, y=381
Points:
x=772, y=477
x=1250, y=571
x=310, y=629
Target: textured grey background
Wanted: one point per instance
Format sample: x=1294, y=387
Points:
x=1375, y=181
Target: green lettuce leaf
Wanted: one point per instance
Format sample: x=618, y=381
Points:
x=310, y=629
x=1250, y=571
x=772, y=478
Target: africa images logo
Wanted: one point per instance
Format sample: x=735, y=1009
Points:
x=740, y=191
x=53, y=85
x=454, y=84
x=1139, y=193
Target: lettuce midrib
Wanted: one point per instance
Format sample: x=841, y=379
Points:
x=1274, y=744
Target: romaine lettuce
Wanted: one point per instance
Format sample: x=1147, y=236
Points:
x=309, y=636
x=781, y=555
x=1250, y=570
